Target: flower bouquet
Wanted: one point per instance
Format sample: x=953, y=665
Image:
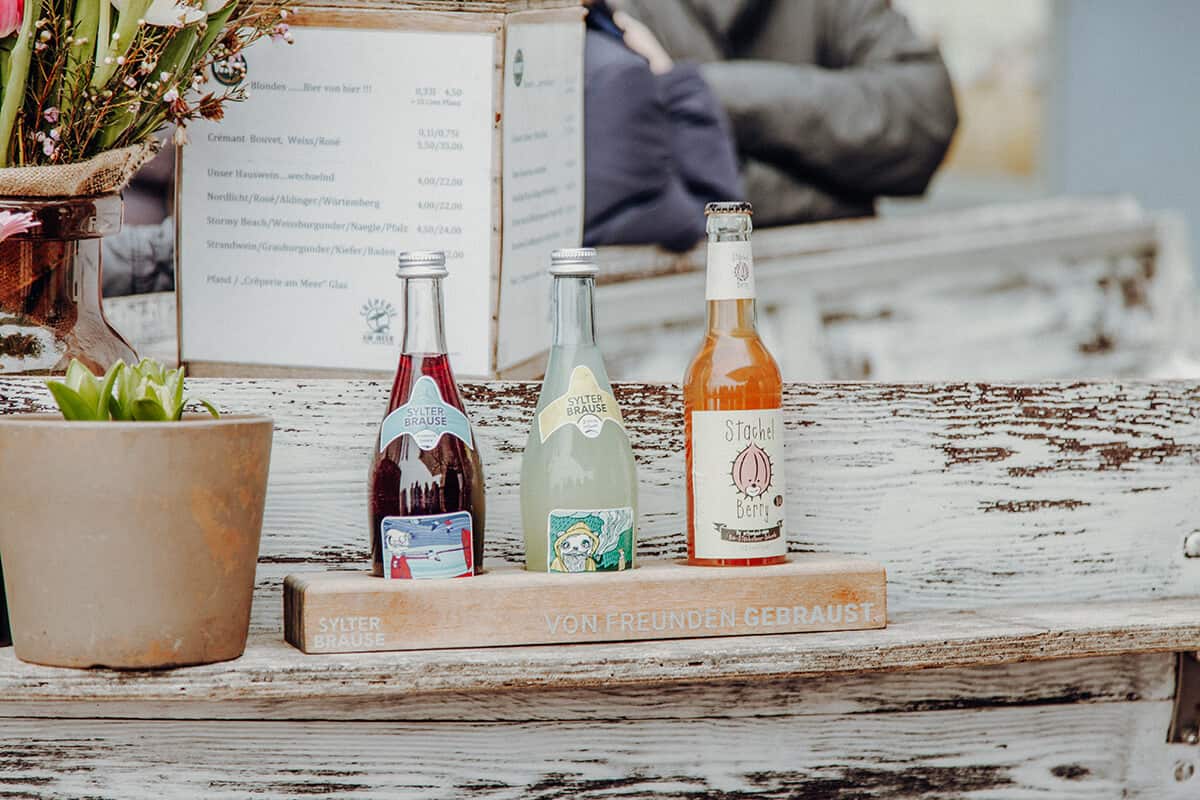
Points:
x=84, y=87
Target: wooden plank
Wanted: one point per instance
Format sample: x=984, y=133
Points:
x=1064, y=221
x=972, y=495
x=447, y=6
x=274, y=672
x=374, y=17
x=148, y=323
x=1085, y=680
x=1090, y=299
x=1085, y=751
x=353, y=612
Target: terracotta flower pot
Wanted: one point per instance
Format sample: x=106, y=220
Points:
x=131, y=545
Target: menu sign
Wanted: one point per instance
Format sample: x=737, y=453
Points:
x=543, y=176
x=354, y=144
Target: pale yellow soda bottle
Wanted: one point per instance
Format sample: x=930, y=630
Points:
x=578, y=479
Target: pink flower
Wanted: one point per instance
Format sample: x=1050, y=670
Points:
x=176, y=13
x=51, y=114
x=11, y=13
x=13, y=222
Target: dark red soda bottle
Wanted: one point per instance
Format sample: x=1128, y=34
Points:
x=426, y=487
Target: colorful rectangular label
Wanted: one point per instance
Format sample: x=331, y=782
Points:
x=590, y=541
x=738, y=484
x=429, y=547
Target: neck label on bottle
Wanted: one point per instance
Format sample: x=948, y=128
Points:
x=426, y=417
x=738, y=486
x=584, y=405
x=590, y=541
x=730, y=271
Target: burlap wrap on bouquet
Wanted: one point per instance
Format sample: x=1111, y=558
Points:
x=102, y=174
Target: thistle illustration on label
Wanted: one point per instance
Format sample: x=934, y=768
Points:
x=584, y=405
x=590, y=541
x=739, y=484
x=730, y=271
x=426, y=417
x=428, y=547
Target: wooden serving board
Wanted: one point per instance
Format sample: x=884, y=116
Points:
x=347, y=612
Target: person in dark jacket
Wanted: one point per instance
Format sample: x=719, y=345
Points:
x=658, y=145
x=833, y=102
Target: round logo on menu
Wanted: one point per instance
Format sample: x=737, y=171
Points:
x=519, y=67
x=230, y=71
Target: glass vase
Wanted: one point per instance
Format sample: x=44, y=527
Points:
x=5, y=634
x=50, y=304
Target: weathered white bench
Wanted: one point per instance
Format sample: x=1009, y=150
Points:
x=1035, y=538
x=1056, y=289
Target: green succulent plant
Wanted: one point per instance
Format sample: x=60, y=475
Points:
x=145, y=392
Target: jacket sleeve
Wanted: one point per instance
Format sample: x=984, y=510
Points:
x=637, y=191
x=701, y=137
x=876, y=118
x=781, y=198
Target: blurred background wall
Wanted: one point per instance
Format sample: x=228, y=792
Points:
x=1069, y=96
x=1126, y=102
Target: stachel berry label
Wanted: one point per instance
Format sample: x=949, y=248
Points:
x=730, y=271
x=737, y=473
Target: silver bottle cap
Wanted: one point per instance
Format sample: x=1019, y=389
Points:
x=579, y=261
x=421, y=264
x=728, y=208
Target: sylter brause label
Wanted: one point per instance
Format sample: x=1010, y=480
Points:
x=426, y=417
x=584, y=405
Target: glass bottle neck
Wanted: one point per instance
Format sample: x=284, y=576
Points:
x=732, y=317
x=574, y=324
x=424, y=330
x=730, y=289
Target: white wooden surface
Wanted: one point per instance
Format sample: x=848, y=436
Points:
x=274, y=680
x=971, y=495
x=1017, y=522
x=1066, y=288
x=148, y=322
x=1021, y=731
